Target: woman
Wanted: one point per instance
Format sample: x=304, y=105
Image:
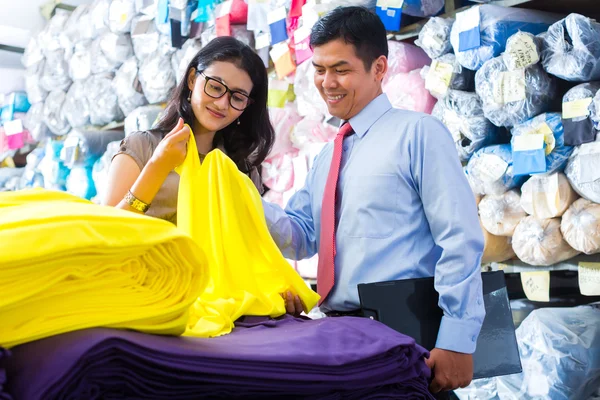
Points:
x=224, y=99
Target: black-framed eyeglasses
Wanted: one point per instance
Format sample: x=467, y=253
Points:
x=217, y=89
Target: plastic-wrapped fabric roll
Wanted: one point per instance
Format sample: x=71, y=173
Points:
x=120, y=14
x=55, y=75
x=579, y=113
x=312, y=130
x=80, y=64
x=512, y=97
x=104, y=103
x=402, y=58
x=580, y=226
x=49, y=37
x=283, y=120
x=308, y=99
x=99, y=16
x=127, y=87
x=547, y=196
x=500, y=214
x=157, y=78
x=76, y=108
x=243, y=35
x=53, y=116
x=496, y=248
x=182, y=58
x=583, y=171
x=491, y=170
x=33, y=53
x=595, y=111
x=117, y=48
x=446, y=73
x=278, y=172
x=142, y=118
x=434, y=37
x=53, y=170
x=101, y=63
x=540, y=242
x=496, y=25
x=71, y=33
x=84, y=147
x=80, y=182
x=571, y=49
x=33, y=85
x=407, y=91
x=34, y=122
x=422, y=8
x=462, y=114
x=101, y=168
x=147, y=40
x=554, y=155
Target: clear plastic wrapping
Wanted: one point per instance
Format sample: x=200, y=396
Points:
x=120, y=15
x=583, y=171
x=500, y=214
x=579, y=113
x=53, y=116
x=34, y=122
x=101, y=168
x=312, y=130
x=571, y=49
x=99, y=17
x=157, y=78
x=52, y=168
x=142, y=118
x=278, y=172
x=407, y=92
x=595, y=111
x=147, y=40
x=434, y=37
x=33, y=85
x=462, y=114
x=308, y=99
x=33, y=53
x=547, y=196
x=283, y=120
x=496, y=248
x=55, y=75
x=80, y=182
x=80, y=64
x=496, y=25
x=103, y=100
x=512, y=97
x=84, y=147
x=490, y=170
x=445, y=73
x=128, y=88
x=49, y=39
x=243, y=35
x=581, y=226
x=76, y=108
x=422, y=8
x=116, y=47
x=72, y=31
x=182, y=57
x=540, y=242
x=556, y=153
x=559, y=350
x=402, y=58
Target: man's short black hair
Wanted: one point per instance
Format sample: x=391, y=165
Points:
x=357, y=26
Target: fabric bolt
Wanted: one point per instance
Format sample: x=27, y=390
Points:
x=329, y=358
x=229, y=215
x=64, y=266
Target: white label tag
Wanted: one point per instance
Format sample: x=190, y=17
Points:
x=589, y=279
x=468, y=19
x=223, y=9
x=510, y=87
x=301, y=33
x=536, y=285
x=528, y=142
x=279, y=51
x=13, y=127
x=262, y=40
x=385, y=4
x=438, y=77
x=491, y=168
x=522, y=52
x=276, y=15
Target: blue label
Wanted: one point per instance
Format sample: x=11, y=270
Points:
x=470, y=39
x=390, y=17
x=529, y=162
x=278, y=31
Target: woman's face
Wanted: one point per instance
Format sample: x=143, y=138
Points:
x=217, y=113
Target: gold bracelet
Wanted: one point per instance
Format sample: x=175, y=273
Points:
x=136, y=203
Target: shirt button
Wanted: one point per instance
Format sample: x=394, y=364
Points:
x=478, y=302
x=345, y=148
x=474, y=338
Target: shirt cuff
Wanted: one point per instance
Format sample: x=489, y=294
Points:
x=458, y=335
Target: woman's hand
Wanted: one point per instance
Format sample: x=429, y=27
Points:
x=171, y=151
x=293, y=304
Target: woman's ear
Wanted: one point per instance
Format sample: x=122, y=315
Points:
x=192, y=79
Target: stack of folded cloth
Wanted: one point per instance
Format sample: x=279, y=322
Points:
x=67, y=264
x=330, y=358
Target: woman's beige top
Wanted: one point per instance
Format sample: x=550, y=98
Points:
x=140, y=146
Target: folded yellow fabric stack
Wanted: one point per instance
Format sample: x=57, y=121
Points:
x=67, y=264
x=220, y=208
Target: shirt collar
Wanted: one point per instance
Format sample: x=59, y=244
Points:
x=362, y=121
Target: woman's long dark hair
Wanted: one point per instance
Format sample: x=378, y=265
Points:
x=248, y=143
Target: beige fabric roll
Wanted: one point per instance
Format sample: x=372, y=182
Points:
x=547, y=196
x=540, y=242
x=580, y=226
x=500, y=214
x=497, y=248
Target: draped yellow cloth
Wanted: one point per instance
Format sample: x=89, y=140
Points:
x=67, y=264
x=220, y=208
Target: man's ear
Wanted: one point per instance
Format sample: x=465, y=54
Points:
x=192, y=79
x=380, y=67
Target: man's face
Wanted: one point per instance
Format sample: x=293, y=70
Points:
x=342, y=80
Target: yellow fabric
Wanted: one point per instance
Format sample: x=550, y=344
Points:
x=220, y=208
x=67, y=264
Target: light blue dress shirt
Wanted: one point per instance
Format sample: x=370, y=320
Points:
x=405, y=210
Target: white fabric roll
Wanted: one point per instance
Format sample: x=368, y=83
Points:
x=540, y=242
x=500, y=214
x=496, y=248
x=547, y=196
x=580, y=226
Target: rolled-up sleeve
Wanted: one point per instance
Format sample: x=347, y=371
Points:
x=451, y=212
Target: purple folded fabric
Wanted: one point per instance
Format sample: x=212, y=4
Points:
x=330, y=358
x=3, y=395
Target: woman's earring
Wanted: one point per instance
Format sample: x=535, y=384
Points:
x=238, y=121
x=190, y=97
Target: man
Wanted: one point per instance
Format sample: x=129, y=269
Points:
x=402, y=208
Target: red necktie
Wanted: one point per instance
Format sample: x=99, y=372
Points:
x=326, y=271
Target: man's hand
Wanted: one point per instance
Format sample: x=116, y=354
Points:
x=450, y=370
x=293, y=304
